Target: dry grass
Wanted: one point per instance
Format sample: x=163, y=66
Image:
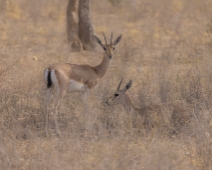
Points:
x=165, y=50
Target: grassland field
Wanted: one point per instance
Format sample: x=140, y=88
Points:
x=165, y=50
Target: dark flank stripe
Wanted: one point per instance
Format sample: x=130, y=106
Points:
x=49, y=84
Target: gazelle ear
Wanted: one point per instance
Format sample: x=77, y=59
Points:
x=118, y=39
x=98, y=40
x=128, y=85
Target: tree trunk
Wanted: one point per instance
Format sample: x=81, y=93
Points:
x=86, y=33
x=72, y=25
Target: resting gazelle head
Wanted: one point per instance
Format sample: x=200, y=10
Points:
x=119, y=95
x=109, y=47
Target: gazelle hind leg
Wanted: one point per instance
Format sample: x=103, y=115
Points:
x=60, y=95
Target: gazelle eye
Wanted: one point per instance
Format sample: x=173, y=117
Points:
x=116, y=94
x=104, y=48
x=113, y=48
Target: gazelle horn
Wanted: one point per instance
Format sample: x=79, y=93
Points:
x=104, y=37
x=111, y=38
x=119, y=84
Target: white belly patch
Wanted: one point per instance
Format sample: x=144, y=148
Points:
x=75, y=86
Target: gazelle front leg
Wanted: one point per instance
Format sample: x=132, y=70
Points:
x=86, y=95
x=87, y=115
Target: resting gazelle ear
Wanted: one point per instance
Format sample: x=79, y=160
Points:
x=128, y=85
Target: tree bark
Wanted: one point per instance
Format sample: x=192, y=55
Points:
x=72, y=25
x=86, y=33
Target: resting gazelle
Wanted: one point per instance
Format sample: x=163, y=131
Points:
x=150, y=116
x=67, y=77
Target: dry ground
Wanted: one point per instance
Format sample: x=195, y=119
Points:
x=165, y=50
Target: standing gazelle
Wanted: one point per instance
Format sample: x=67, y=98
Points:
x=150, y=115
x=66, y=77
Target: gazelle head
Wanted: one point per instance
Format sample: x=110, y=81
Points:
x=119, y=95
x=108, y=47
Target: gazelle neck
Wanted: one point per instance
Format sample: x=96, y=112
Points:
x=128, y=104
x=102, y=68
